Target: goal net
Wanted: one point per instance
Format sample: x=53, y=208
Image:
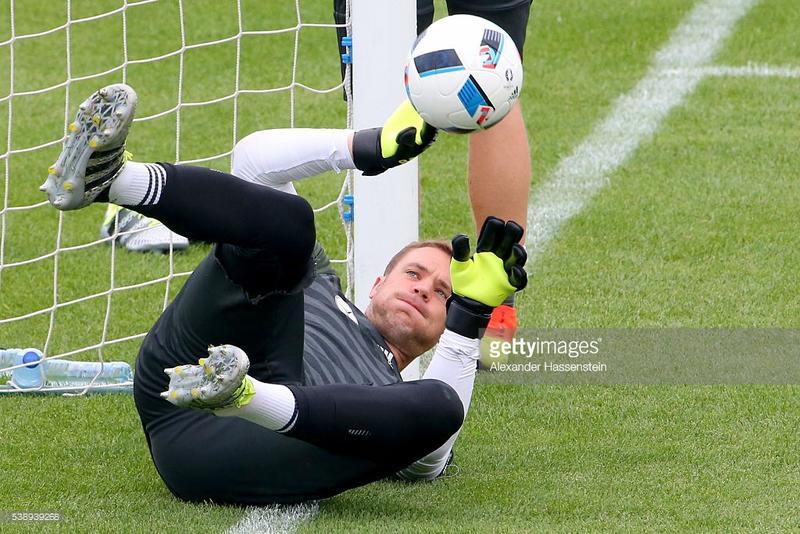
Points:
x=207, y=74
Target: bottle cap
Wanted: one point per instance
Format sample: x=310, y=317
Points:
x=31, y=357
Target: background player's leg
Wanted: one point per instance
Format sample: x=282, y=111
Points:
x=501, y=154
x=425, y=14
x=499, y=171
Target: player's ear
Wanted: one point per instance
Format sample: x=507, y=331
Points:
x=378, y=281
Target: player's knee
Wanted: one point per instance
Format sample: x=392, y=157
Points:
x=302, y=226
x=443, y=408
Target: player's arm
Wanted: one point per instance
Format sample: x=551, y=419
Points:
x=278, y=157
x=480, y=281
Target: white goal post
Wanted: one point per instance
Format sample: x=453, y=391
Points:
x=386, y=206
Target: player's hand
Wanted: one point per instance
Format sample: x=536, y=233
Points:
x=483, y=280
x=403, y=137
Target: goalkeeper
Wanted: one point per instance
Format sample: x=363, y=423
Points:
x=299, y=395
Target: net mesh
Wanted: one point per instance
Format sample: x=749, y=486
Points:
x=207, y=74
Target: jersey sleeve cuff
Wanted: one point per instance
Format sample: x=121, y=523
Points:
x=463, y=345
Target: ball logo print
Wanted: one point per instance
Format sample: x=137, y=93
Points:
x=437, y=62
x=463, y=74
x=483, y=113
x=472, y=97
x=491, y=48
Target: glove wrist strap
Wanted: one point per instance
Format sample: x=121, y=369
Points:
x=467, y=317
x=367, y=151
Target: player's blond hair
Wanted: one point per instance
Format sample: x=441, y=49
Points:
x=440, y=244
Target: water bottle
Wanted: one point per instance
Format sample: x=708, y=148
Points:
x=30, y=375
x=62, y=373
x=68, y=373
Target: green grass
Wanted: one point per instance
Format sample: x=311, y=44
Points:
x=698, y=229
x=572, y=459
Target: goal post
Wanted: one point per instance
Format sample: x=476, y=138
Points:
x=386, y=206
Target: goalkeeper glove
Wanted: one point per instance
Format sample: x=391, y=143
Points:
x=404, y=136
x=483, y=280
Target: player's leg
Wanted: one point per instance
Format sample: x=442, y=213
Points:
x=273, y=231
x=247, y=292
x=231, y=460
x=266, y=241
x=499, y=164
x=501, y=153
x=316, y=440
x=345, y=418
x=201, y=457
x=249, y=295
x=199, y=203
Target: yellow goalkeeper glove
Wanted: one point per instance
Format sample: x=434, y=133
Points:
x=403, y=136
x=483, y=280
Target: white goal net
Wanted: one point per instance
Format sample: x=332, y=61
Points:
x=207, y=74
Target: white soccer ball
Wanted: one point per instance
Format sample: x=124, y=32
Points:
x=464, y=73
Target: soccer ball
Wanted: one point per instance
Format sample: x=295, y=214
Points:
x=463, y=74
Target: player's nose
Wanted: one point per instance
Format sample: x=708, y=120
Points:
x=423, y=291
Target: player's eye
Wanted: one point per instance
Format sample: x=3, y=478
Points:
x=412, y=274
x=442, y=294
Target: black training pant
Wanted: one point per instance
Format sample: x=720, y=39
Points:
x=248, y=292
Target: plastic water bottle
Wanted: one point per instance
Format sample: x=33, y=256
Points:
x=29, y=376
x=68, y=373
x=63, y=373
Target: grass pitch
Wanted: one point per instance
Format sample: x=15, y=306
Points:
x=698, y=228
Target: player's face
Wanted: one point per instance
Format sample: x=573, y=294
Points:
x=408, y=303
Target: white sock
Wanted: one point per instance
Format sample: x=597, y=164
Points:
x=139, y=184
x=272, y=407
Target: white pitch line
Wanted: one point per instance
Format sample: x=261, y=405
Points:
x=634, y=118
x=274, y=519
